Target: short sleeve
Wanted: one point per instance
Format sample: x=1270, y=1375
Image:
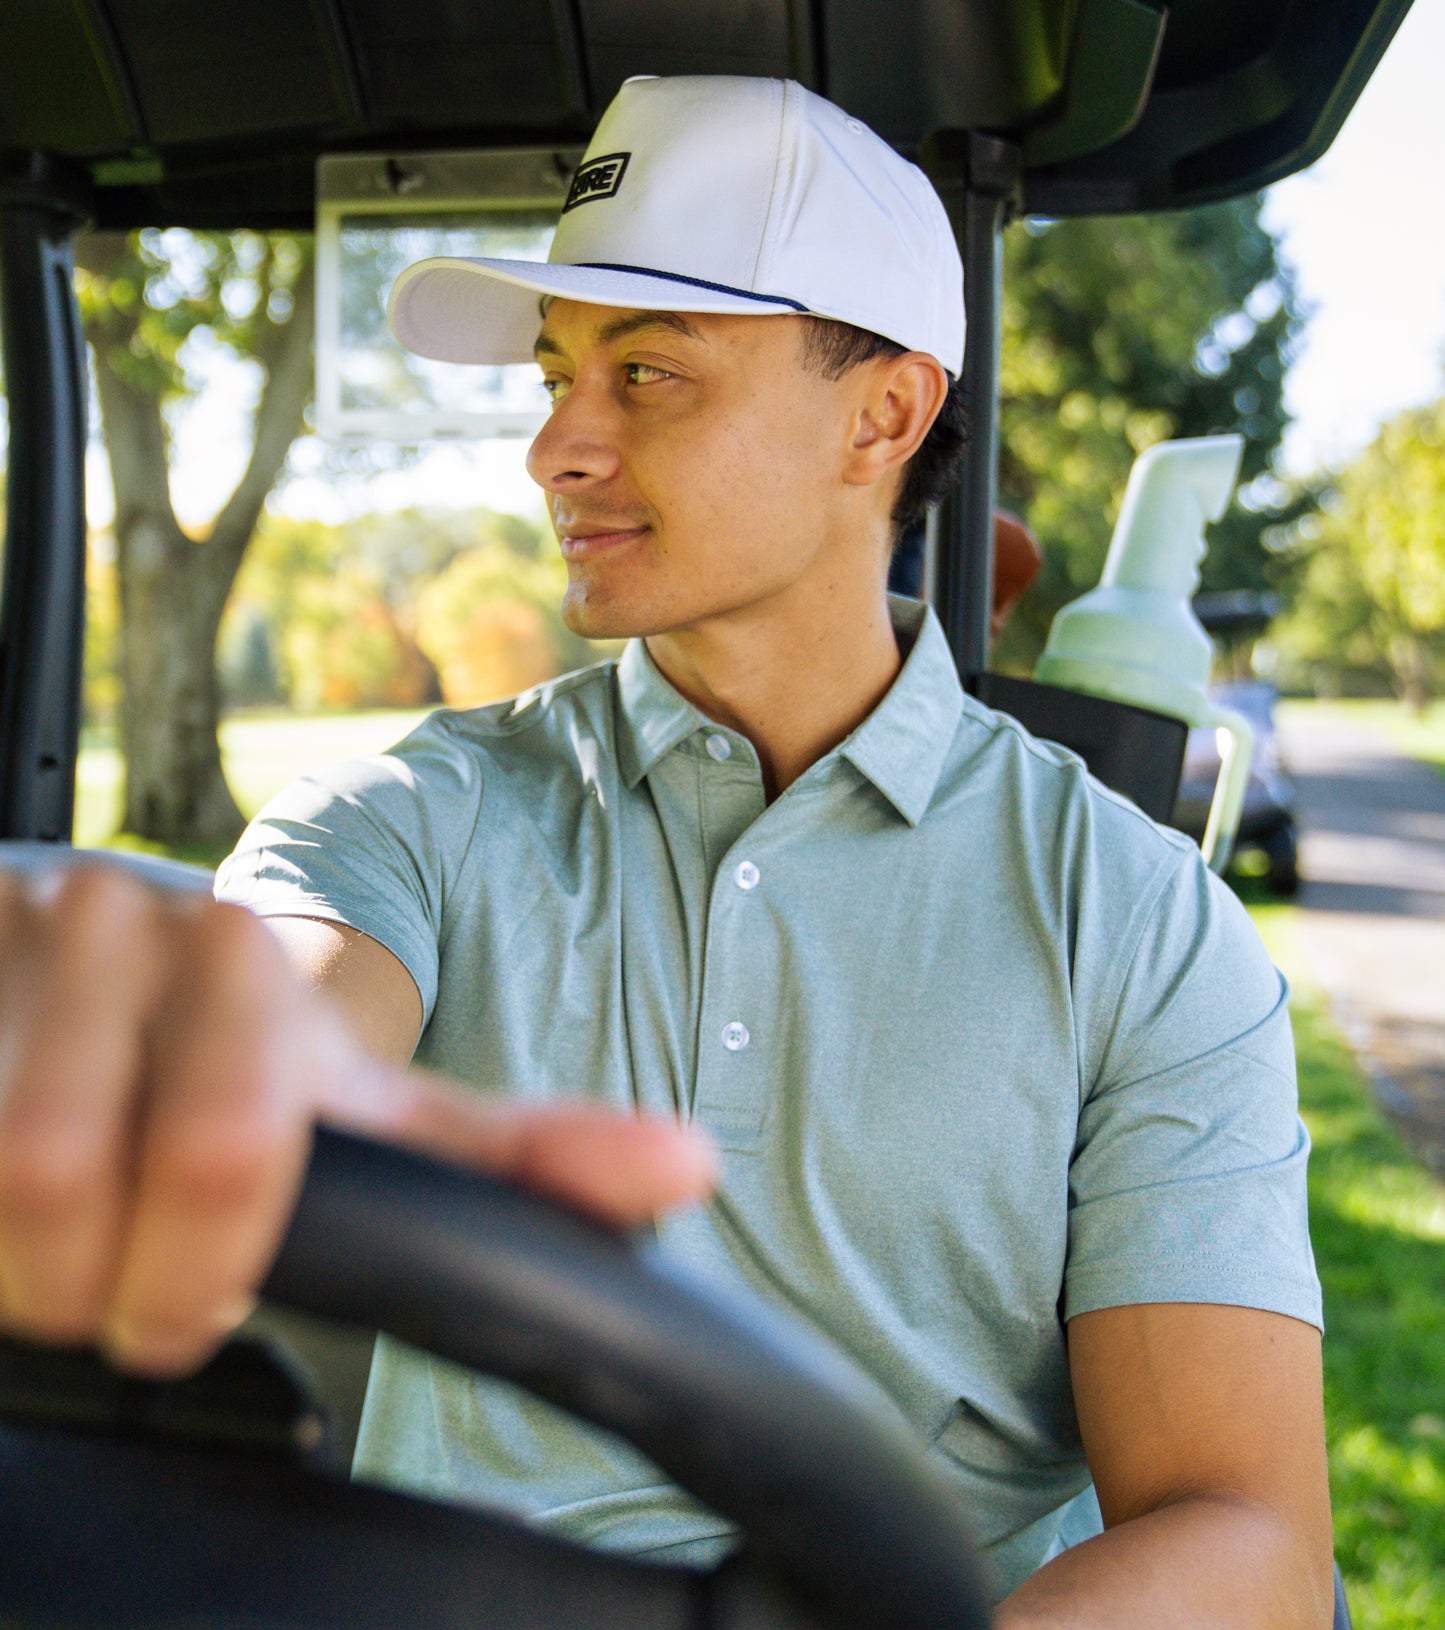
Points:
x=1188, y=1177
x=375, y=844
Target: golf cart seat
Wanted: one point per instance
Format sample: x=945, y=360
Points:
x=1132, y=750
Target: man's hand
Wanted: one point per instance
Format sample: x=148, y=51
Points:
x=1204, y=1428
x=161, y=1068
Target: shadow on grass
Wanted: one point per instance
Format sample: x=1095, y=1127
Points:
x=1378, y=1223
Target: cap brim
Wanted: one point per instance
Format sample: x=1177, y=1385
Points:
x=463, y=310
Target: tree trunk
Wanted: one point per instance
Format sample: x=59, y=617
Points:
x=173, y=588
x=171, y=601
x=1413, y=664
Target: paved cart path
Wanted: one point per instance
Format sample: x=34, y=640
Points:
x=1372, y=856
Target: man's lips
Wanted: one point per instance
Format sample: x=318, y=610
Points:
x=584, y=544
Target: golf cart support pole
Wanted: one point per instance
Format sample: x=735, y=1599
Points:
x=979, y=180
x=42, y=602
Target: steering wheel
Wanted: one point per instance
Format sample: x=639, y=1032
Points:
x=846, y=1523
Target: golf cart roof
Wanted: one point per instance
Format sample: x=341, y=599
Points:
x=213, y=114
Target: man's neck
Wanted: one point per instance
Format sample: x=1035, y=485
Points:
x=794, y=685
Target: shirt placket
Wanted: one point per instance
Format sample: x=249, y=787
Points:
x=737, y=1007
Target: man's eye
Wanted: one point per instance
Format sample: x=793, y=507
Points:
x=643, y=373
x=555, y=388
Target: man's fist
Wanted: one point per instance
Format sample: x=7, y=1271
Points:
x=161, y=1068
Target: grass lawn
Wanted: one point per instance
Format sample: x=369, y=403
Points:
x=1378, y=1222
x=1421, y=735
x=261, y=752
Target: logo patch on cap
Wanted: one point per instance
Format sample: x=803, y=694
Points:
x=598, y=178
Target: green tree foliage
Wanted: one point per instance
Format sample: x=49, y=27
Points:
x=1122, y=332
x=1371, y=595
x=397, y=609
x=345, y=647
x=143, y=297
x=491, y=624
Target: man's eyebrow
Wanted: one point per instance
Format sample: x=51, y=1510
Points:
x=620, y=327
x=674, y=320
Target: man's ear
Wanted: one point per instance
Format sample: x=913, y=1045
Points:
x=899, y=398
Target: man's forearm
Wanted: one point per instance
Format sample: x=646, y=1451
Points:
x=1196, y=1564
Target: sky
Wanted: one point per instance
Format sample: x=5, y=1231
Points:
x=1364, y=229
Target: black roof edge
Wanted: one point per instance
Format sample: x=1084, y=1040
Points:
x=1100, y=183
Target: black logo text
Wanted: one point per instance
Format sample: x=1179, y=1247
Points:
x=598, y=178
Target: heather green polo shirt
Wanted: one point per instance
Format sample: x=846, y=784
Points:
x=982, y=1046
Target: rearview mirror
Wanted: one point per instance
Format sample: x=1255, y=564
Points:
x=375, y=215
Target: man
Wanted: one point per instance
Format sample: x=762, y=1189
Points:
x=999, y=1077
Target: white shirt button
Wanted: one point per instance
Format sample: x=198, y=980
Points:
x=719, y=747
x=747, y=875
x=735, y=1036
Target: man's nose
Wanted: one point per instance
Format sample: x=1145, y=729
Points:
x=577, y=446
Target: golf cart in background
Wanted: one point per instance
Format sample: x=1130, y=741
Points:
x=203, y=1502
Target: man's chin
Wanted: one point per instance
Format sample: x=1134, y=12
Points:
x=597, y=617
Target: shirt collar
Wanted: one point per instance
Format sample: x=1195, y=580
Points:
x=654, y=717
x=900, y=747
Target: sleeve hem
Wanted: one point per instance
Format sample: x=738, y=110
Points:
x=390, y=935
x=1089, y=1292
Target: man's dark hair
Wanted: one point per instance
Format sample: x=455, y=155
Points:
x=831, y=349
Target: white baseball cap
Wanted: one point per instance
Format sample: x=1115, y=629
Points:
x=715, y=193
